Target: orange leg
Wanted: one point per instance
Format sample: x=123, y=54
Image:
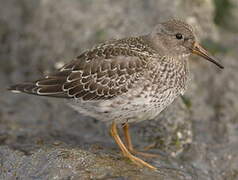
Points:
x=127, y=137
x=129, y=143
x=126, y=153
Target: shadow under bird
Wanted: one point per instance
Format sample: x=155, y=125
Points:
x=126, y=80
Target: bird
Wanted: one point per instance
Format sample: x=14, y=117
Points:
x=126, y=80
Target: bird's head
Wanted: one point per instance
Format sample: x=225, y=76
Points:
x=176, y=38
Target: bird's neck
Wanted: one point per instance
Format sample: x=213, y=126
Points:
x=183, y=71
x=156, y=44
x=179, y=69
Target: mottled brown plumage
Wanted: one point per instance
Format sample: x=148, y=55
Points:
x=126, y=80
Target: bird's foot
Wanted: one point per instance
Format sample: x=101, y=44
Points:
x=125, y=150
x=150, y=146
x=130, y=146
x=138, y=161
x=149, y=155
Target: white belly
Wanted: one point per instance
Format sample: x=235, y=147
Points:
x=127, y=108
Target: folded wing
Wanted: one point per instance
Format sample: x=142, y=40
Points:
x=101, y=73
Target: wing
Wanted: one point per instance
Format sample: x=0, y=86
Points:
x=101, y=73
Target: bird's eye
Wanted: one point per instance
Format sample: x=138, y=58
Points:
x=179, y=36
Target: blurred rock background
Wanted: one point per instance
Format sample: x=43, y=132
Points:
x=40, y=138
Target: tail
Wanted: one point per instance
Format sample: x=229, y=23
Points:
x=29, y=88
x=48, y=86
x=33, y=89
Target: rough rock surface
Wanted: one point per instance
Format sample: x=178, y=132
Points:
x=42, y=138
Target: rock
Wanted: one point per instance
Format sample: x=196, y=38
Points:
x=73, y=163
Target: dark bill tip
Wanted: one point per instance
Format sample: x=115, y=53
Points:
x=199, y=50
